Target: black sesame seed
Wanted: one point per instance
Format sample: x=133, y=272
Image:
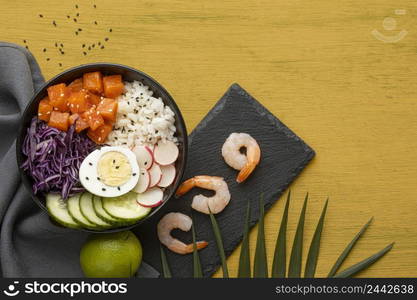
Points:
x=124, y=115
x=95, y=6
x=93, y=45
x=90, y=164
x=48, y=59
x=24, y=41
x=76, y=6
x=128, y=103
x=27, y=47
x=106, y=39
x=115, y=138
x=99, y=43
x=134, y=174
x=118, y=188
x=62, y=45
x=145, y=163
x=102, y=47
x=95, y=22
x=110, y=30
x=86, y=178
x=40, y=16
x=60, y=64
x=75, y=20
x=89, y=48
x=80, y=29
x=54, y=23
x=76, y=33
x=68, y=17
x=156, y=114
x=85, y=53
x=83, y=46
x=114, y=161
x=117, y=167
x=56, y=44
x=103, y=189
x=44, y=49
x=98, y=178
x=78, y=14
x=156, y=131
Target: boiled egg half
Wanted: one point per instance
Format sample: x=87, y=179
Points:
x=109, y=171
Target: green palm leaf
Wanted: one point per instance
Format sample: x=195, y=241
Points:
x=313, y=253
x=165, y=267
x=198, y=272
x=260, y=265
x=219, y=243
x=280, y=255
x=362, y=265
x=294, y=269
x=347, y=250
x=244, y=259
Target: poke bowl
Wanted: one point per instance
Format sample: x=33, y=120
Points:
x=101, y=147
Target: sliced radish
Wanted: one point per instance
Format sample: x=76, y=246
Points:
x=144, y=156
x=155, y=174
x=151, y=198
x=165, y=153
x=143, y=183
x=168, y=175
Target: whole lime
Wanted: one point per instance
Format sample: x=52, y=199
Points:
x=116, y=255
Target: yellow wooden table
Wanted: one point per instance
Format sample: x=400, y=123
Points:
x=341, y=74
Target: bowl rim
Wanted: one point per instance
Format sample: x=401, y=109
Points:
x=169, y=98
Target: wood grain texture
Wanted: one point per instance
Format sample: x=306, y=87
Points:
x=314, y=64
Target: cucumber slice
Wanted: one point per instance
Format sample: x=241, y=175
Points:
x=75, y=212
x=125, y=207
x=87, y=209
x=58, y=210
x=101, y=213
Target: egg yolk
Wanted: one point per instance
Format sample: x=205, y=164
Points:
x=114, y=168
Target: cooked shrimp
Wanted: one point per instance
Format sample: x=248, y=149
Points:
x=202, y=203
x=176, y=220
x=239, y=161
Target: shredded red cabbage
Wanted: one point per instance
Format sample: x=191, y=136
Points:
x=54, y=158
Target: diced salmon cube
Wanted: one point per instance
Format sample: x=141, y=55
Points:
x=99, y=135
x=73, y=118
x=58, y=95
x=113, y=86
x=93, y=99
x=76, y=85
x=80, y=125
x=59, y=120
x=93, y=82
x=44, y=109
x=78, y=102
x=93, y=118
x=108, y=109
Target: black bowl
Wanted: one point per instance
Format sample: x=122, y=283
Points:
x=128, y=74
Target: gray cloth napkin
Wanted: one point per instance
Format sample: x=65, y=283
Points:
x=30, y=245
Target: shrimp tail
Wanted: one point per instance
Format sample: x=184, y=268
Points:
x=200, y=245
x=245, y=172
x=185, y=187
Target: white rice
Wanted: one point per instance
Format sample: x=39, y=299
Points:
x=141, y=119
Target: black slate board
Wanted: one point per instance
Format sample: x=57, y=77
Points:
x=284, y=155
